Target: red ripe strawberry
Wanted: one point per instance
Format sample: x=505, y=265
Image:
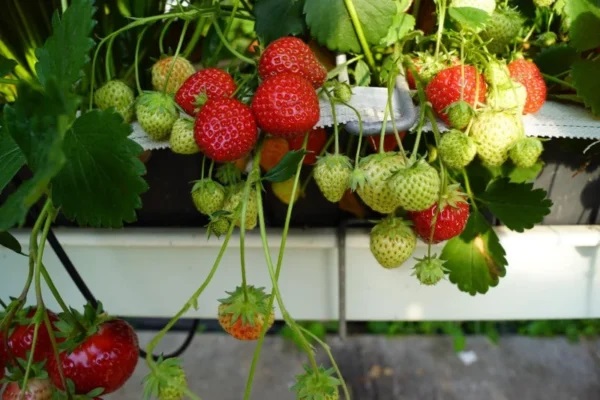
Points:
x=37, y=389
x=21, y=338
x=528, y=74
x=105, y=359
x=451, y=219
x=208, y=83
x=286, y=105
x=459, y=82
x=290, y=54
x=225, y=129
x=317, y=138
x=3, y=358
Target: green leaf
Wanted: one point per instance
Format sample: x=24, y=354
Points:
x=10, y=242
x=556, y=60
x=469, y=17
x=38, y=131
x=584, y=32
x=330, y=23
x=277, y=18
x=11, y=158
x=586, y=79
x=402, y=24
x=101, y=182
x=362, y=73
x=476, y=259
x=65, y=53
x=517, y=205
x=286, y=168
x=6, y=65
x=520, y=175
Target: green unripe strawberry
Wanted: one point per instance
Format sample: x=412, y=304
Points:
x=511, y=97
x=342, y=91
x=526, y=152
x=459, y=114
x=233, y=204
x=156, y=112
x=316, y=384
x=332, y=175
x=208, y=196
x=429, y=270
x=116, y=93
x=543, y=3
x=374, y=171
x=416, y=187
x=502, y=29
x=487, y=6
x=494, y=133
x=496, y=73
x=173, y=389
x=456, y=149
x=392, y=242
x=182, y=139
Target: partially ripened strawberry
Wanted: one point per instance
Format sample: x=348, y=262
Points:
x=208, y=83
x=290, y=54
x=456, y=149
x=370, y=180
x=116, y=93
x=460, y=82
x=526, y=152
x=208, y=196
x=390, y=143
x=182, y=139
x=244, y=316
x=494, y=133
x=272, y=152
x=176, y=70
x=317, y=138
x=528, y=74
x=37, y=389
x=415, y=186
x=392, y=241
x=444, y=219
x=427, y=66
x=316, y=384
x=225, y=129
x=286, y=105
x=332, y=175
x=156, y=113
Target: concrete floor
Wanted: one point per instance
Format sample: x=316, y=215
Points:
x=400, y=368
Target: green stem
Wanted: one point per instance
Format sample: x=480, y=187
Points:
x=107, y=61
x=230, y=48
x=161, y=38
x=335, y=124
x=50, y=328
x=8, y=81
x=136, y=60
x=559, y=81
x=227, y=28
x=361, y=37
x=327, y=350
x=179, y=44
x=441, y=20
x=468, y=188
x=191, y=44
x=191, y=301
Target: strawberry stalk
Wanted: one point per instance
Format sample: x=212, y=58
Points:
x=161, y=38
x=275, y=276
x=227, y=30
x=136, y=61
x=441, y=11
x=361, y=38
x=335, y=124
x=228, y=46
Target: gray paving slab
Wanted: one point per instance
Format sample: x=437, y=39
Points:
x=398, y=368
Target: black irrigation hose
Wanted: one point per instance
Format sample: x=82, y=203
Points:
x=89, y=296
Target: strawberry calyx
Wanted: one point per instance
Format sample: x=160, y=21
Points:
x=16, y=371
x=73, y=328
x=452, y=196
x=228, y=174
x=248, y=306
x=459, y=114
x=429, y=270
x=316, y=384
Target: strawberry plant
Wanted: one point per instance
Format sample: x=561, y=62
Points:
x=250, y=89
